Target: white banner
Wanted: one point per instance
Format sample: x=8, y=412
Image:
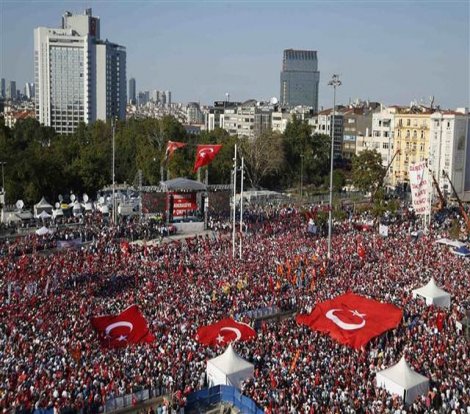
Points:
x=419, y=187
x=383, y=230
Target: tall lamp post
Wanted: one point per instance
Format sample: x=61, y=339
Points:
x=3, y=163
x=335, y=82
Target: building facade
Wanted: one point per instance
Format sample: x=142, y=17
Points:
x=449, y=140
x=411, y=139
x=132, y=92
x=300, y=78
x=78, y=77
x=322, y=124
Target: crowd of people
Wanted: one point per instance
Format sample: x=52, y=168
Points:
x=50, y=356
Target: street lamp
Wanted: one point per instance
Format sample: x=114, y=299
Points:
x=333, y=82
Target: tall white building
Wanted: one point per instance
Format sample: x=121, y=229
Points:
x=78, y=77
x=449, y=140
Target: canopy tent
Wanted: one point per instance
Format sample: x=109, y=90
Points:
x=433, y=294
x=43, y=231
x=57, y=213
x=182, y=184
x=228, y=369
x=43, y=205
x=402, y=380
x=461, y=251
x=44, y=215
x=452, y=243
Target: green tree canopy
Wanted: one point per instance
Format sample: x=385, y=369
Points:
x=367, y=170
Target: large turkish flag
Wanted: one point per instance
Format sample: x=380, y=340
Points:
x=352, y=319
x=118, y=331
x=205, y=154
x=224, y=332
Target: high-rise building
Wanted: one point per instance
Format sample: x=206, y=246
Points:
x=168, y=98
x=78, y=77
x=10, y=93
x=132, y=91
x=300, y=78
x=29, y=90
x=3, y=88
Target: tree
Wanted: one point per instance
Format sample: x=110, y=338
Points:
x=263, y=155
x=367, y=170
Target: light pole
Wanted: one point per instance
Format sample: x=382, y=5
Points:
x=301, y=175
x=113, y=173
x=3, y=163
x=333, y=82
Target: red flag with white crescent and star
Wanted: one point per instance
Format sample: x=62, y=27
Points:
x=223, y=332
x=171, y=146
x=351, y=319
x=205, y=154
x=118, y=331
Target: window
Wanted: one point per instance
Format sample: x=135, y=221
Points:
x=408, y=122
x=385, y=145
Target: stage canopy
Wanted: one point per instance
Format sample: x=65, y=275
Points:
x=400, y=379
x=183, y=184
x=228, y=369
x=433, y=294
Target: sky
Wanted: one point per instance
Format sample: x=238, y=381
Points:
x=393, y=52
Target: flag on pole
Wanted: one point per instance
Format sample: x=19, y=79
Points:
x=205, y=154
x=171, y=146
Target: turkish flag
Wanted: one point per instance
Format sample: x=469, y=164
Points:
x=171, y=146
x=129, y=327
x=205, y=154
x=224, y=332
x=352, y=319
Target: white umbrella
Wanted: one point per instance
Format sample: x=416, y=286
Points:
x=42, y=231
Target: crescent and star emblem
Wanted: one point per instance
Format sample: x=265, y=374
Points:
x=114, y=325
x=345, y=325
x=203, y=152
x=220, y=338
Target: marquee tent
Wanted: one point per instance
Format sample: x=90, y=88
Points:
x=43, y=205
x=44, y=215
x=228, y=369
x=43, y=231
x=402, y=380
x=433, y=294
x=182, y=184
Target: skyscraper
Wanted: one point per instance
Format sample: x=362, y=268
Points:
x=11, y=90
x=3, y=88
x=300, y=78
x=132, y=95
x=78, y=77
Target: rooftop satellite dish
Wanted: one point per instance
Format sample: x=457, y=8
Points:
x=61, y=198
x=57, y=205
x=101, y=200
x=273, y=100
x=19, y=204
x=72, y=197
x=85, y=198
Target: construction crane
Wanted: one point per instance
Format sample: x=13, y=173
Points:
x=462, y=209
x=442, y=200
x=381, y=183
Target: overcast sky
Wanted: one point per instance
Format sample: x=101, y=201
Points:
x=389, y=51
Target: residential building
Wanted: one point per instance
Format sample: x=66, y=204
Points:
x=279, y=120
x=194, y=114
x=132, y=92
x=78, y=77
x=300, y=78
x=12, y=117
x=168, y=98
x=411, y=138
x=449, y=141
x=214, y=113
x=322, y=124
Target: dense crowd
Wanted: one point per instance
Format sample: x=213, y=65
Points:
x=50, y=356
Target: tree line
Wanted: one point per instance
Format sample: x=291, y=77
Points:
x=43, y=163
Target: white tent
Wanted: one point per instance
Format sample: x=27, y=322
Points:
x=433, y=294
x=400, y=379
x=228, y=369
x=44, y=215
x=42, y=231
x=43, y=205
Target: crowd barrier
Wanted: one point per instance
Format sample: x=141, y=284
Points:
x=199, y=400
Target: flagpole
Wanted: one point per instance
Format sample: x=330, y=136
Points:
x=114, y=183
x=234, y=203
x=241, y=206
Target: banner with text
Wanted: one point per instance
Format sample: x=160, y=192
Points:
x=183, y=203
x=419, y=187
